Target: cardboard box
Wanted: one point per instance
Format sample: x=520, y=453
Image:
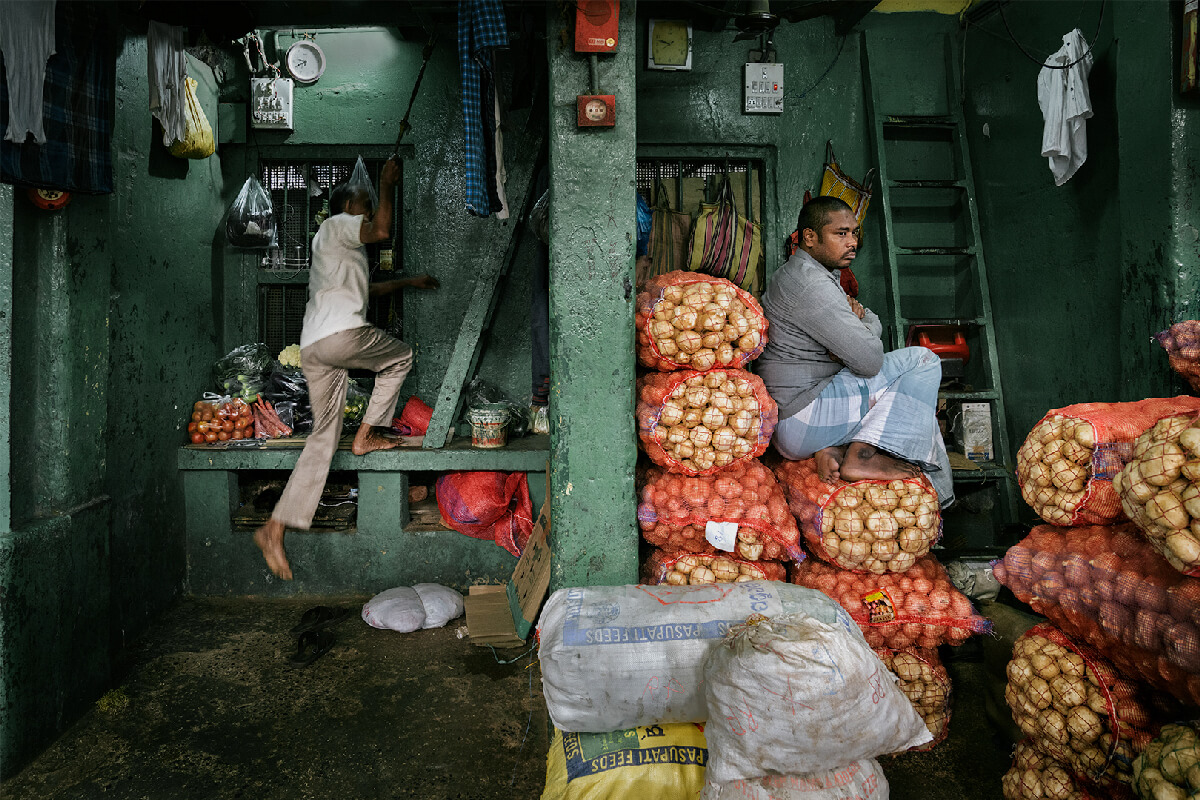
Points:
x=503, y=616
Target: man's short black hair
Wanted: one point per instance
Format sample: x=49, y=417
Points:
x=816, y=213
x=340, y=197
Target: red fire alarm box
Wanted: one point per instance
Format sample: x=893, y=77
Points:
x=596, y=111
x=596, y=26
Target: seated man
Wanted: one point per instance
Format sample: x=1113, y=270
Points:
x=862, y=413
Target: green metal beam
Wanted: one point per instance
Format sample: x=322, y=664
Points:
x=6, y=282
x=594, y=539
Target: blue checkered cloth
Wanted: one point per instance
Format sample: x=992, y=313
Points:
x=481, y=27
x=79, y=100
x=895, y=410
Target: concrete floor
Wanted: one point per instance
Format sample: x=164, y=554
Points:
x=213, y=712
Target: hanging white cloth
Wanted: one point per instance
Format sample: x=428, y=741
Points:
x=1066, y=106
x=167, y=65
x=26, y=43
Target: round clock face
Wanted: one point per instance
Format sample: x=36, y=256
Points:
x=305, y=61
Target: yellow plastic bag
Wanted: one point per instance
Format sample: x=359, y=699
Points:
x=198, y=142
x=835, y=183
x=653, y=762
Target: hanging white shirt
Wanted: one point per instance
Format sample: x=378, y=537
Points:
x=1066, y=106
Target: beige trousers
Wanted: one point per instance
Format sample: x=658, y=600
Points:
x=325, y=364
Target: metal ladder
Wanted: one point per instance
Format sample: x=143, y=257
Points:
x=932, y=245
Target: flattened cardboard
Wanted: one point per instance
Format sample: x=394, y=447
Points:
x=503, y=616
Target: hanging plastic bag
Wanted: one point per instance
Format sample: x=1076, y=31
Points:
x=361, y=185
x=251, y=220
x=198, y=142
x=668, y=245
x=726, y=244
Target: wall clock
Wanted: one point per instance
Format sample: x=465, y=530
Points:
x=670, y=45
x=305, y=61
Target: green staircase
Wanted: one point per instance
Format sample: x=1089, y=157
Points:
x=934, y=254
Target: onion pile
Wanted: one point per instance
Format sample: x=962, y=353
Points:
x=675, y=511
x=696, y=568
x=690, y=321
x=925, y=683
x=918, y=608
x=866, y=526
x=1075, y=708
x=1169, y=768
x=1160, y=489
x=697, y=423
x=1036, y=776
x=1109, y=587
x=1182, y=343
x=1067, y=463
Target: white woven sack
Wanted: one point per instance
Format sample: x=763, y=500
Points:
x=398, y=609
x=798, y=694
x=441, y=603
x=860, y=780
x=616, y=657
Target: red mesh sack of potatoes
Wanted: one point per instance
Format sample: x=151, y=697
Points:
x=698, y=423
x=691, y=569
x=865, y=526
x=741, y=510
x=1108, y=587
x=924, y=681
x=691, y=321
x=1077, y=709
x=1036, y=776
x=1160, y=489
x=917, y=608
x=1066, y=466
x=1182, y=343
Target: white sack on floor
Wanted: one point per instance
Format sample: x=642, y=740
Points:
x=860, y=780
x=797, y=694
x=407, y=608
x=616, y=657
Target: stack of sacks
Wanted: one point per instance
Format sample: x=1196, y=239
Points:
x=704, y=421
x=796, y=704
x=1086, y=720
x=874, y=537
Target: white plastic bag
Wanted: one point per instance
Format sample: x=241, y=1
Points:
x=860, y=780
x=797, y=694
x=442, y=603
x=616, y=657
x=398, y=609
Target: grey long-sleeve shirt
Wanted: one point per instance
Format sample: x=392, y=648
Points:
x=808, y=314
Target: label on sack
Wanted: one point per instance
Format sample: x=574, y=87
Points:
x=721, y=535
x=880, y=607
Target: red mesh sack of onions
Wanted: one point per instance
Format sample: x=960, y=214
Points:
x=1077, y=709
x=691, y=321
x=691, y=569
x=1066, y=466
x=1036, y=776
x=896, y=610
x=1108, y=587
x=926, y=684
x=675, y=512
x=697, y=423
x=866, y=526
x=1160, y=489
x=1182, y=343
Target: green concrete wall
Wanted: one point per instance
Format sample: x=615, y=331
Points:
x=113, y=332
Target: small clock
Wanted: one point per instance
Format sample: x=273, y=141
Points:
x=670, y=45
x=305, y=61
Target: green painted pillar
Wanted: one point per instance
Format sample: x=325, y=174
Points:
x=592, y=235
x=1158, y=221
x=6, y=276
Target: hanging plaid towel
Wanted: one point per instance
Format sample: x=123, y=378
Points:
x=481, y=27
x=726, y=244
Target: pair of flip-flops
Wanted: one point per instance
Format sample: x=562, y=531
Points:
x=314, y=635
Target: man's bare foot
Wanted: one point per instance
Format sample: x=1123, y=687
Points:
x=369, y=439
x=829, y=462
x=865, y=462
x=269, y=539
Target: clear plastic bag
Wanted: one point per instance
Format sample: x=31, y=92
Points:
x=356, y=405
x=482, y=393
x=288, y=391
x=251, y=220
x=360, y=185
x=243, y=372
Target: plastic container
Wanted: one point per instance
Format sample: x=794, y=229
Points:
x=489, y=425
